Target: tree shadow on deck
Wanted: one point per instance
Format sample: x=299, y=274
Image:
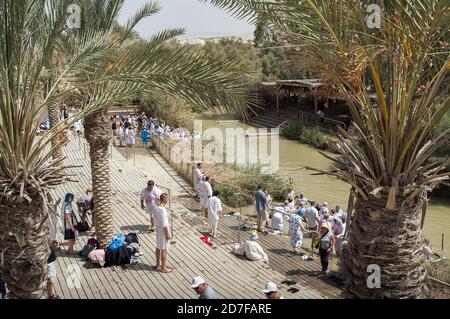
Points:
x=331, y=279
x=284, y=252
x=140, y=228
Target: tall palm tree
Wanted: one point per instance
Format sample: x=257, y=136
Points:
x=385, y=163
x=200, y=79
x=30, y=34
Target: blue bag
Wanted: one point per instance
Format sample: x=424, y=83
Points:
x=117, y=242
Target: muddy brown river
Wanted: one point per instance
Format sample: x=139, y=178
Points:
x=294, y=156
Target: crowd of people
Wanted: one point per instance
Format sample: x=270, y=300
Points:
x=126, y=127
x=305, y=218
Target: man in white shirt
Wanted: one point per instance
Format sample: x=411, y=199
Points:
x=206, y=193
x=151, y=197
x=312, y=218
x=162, y=233
x=214, y=206
x=197, y=177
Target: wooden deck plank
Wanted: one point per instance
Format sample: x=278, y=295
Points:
x=228, y=274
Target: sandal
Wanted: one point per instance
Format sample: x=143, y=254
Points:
x=54, y=297
x=151, y=230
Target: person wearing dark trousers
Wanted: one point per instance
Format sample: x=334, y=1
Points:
x=325, y=246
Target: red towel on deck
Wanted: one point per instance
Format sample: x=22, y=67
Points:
x=205, y=240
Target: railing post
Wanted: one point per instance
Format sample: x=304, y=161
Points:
x=171, y=214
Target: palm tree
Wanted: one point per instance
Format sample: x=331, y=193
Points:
x=386, y=162
x=31, y=32
x=28, y=33
x=183, y=72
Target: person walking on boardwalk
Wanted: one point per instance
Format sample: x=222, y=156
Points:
x=131, y=137
x=214, y=206
x=198, y=175
x=207, y=192
x=70, y=222
x=325, y=244
x=202, y=289
x=145, y=135
x=271, y=291
x=150, y=195
x=295, y=232
x=260, y=203
x=162, y=234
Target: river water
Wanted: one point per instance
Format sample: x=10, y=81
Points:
x=294, y=156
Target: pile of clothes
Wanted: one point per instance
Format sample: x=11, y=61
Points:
x=122, y=250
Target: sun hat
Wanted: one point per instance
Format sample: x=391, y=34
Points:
x=270, y=287
x=324, y=225
x=197, y=281
x=253, y=236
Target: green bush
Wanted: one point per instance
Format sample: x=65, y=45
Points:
x=291, y=130
x=249, y=178
x=313, y=136
x=230, y=197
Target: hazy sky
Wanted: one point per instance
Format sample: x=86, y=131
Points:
x=198, y=19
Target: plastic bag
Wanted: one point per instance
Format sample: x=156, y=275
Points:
x=117, y=242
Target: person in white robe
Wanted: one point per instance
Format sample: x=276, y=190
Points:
x=214, y=206
x=251, y=249
x=197, y=177
x=206, y=194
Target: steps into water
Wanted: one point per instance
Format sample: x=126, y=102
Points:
x=272, y=119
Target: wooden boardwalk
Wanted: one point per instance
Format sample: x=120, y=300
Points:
x=229, y=275
x=281, y=259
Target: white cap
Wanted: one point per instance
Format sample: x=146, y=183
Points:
x=197, y=281
x=325, y=204
x=270, y=287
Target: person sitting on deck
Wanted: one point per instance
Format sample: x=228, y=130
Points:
x=251, y=249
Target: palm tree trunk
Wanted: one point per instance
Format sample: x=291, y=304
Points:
x=391, y=239
x=24, y=247
x=98, y=135
x=54, y=115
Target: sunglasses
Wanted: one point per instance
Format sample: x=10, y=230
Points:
x=270, y=293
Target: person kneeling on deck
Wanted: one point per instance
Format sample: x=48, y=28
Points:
x=162, y=233
x=251, y=249
x=214, y=206
x=202, y=289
